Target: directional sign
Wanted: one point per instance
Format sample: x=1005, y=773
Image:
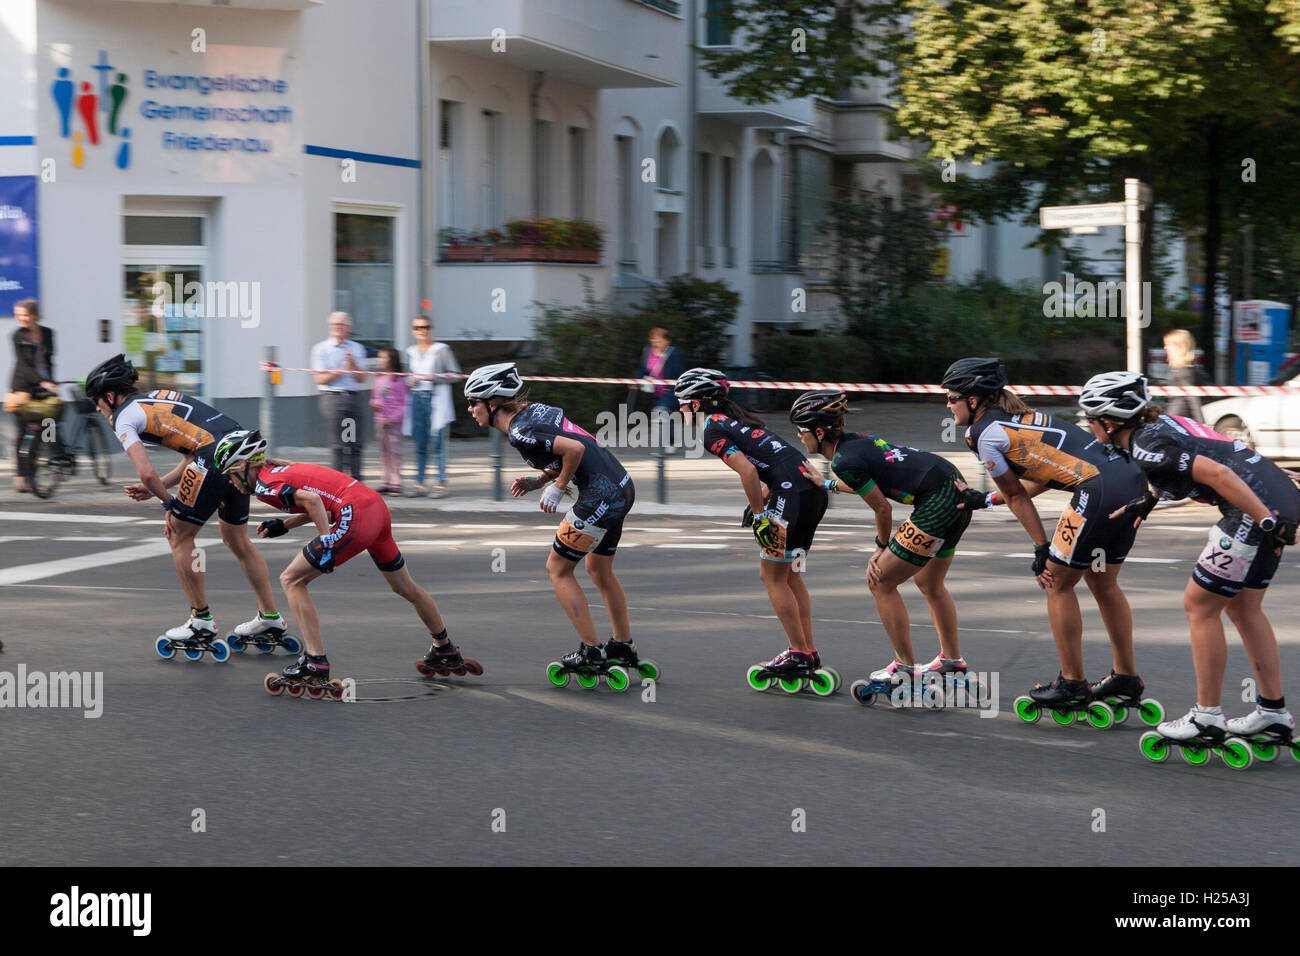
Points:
x=1066, y=217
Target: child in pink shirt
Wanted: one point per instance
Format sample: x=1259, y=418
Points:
x=388, y=399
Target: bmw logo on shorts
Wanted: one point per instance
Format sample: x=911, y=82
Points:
x=1225, y=543
x=785, y=484
x=578, y=524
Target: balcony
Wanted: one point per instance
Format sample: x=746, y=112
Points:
x=861, y=133
x=245, y=4
x=494, y=300
x=600, y=44
x=715, y=102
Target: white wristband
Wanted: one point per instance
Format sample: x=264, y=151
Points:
x=552, y=496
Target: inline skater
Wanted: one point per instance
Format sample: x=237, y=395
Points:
x=350, y=518
x=921, y=549
x=786, y=502
x=1260, y=506
x=186, y=425
x=566, y=455
x=1028, y=452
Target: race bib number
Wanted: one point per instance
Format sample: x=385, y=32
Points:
x=577, y=534
x=191, y=481
x=1226, y=558
x=915, y=541
x=1068, y=530
x=775, y=548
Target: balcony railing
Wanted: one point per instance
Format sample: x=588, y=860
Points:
x=667, y=6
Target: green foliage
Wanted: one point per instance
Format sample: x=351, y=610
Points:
x=698, y=315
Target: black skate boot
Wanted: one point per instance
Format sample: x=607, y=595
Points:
x=624, y=654
x=1124, y=692
x=309, y=675
x=445, y=659
x=1068, y=701
x=589, y=663
x=794, y=671
x=308, y=666
x=586, y=656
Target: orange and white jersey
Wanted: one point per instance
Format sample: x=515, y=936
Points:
x=1040, y=448
x=171, y=419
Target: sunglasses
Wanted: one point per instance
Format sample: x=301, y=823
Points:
x=422, y=328
x=953, y=398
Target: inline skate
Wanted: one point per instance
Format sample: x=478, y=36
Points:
x=446, y=660
x=1123, y=692
x=896, y=681
x=1198, y=735
x=1068, y=701
x=1267, y=731
x=266, y=634
x=588, y=663
x=794, y=672
x=195, y=637
x=307, y=675
x=624, y=654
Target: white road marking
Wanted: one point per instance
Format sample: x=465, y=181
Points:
x=21, y=537
x=473, y=527
x=76, y=537
x=695, y=547
x=49, y=569
x=65, y=518
x=428, y=542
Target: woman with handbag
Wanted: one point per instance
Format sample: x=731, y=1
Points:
x=33, y=382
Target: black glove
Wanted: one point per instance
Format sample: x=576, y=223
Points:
x=1282, y=530
x=973, y=500
x=318, y=556
x=1141, y=506
x=747, y=518
x=274, y=527
x=1040, y=558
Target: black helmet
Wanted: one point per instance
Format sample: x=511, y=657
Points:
x=825, y=407
x=975, y=376
x=112, y=375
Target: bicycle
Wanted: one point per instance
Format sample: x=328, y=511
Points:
x=44, y=463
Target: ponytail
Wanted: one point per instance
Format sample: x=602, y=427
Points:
x=1011, y=403
x=739, y=412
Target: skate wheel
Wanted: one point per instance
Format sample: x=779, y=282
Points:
x=1153, y=747
x=556, y=674
x=822, y=683
x=862, y=693
x=1152, y=712
x=336, y=689
x=1236, y=753
x=588, y=679
x=424, y=669
x=294, y=689
x=1264, y=750
x=236, y=644
x=835, y=675
x=649, y=670
x=1120, y=711
x=291, y=644
x=617, y=678
x=1027, y=710
x=473, y=667
x=314, y=691
x=265, y=646
x=164, y=648
x=192, y=653
x=1295, y=752
x=220, y=651
x=1196, y=756
x=272, y=684
x=756, y=679
x=791, y=685
x=1066, y=717
x=1100, y=715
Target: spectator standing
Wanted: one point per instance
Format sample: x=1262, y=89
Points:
x=33, y=370
x=432, y=410
x=340, y=406
x=1180, y=351
x=660, y=360
x=388, y=399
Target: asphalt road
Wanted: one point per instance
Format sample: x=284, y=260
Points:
x=505, y=769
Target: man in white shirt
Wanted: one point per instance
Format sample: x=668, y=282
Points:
x=340, y=405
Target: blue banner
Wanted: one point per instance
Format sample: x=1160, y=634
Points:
x=19, y=269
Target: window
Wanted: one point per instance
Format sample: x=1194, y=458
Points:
x=490, y=176
x=812, y=184
x=578, y=171
x=365, y=275
x=704, y=207
x=714, y=32
x=543, y=167
x=625, y=164
x=449, y=191
x=728, y=243
x=162, y=230
x=763, y=207
x=668, y=148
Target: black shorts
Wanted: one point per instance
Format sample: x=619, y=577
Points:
x=1086, y=531
x=1237, y=555
x=934, y=527
x=798, y=507
x=203, y=489
x=594, y=525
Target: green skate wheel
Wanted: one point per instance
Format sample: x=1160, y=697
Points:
x=1066, y=717
x=823, y=683
x=1151, y=712
x=1196, y=756
x=556, y=674
x=648, y=670
x=1295, y=752
x=834, y=674
x=1027, y=710
x=755, y=679
x=588, y=679
x=617, y=678
x=1236, y=753
x=1100, y=715
x=791, y=685
x=1153, y=747
x=1264, y=749
x=1121, y=712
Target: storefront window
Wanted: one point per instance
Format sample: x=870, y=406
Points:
x=161, y=334
x=365, y=276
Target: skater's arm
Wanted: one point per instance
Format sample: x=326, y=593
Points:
x=296, y=521
x=1021, y=506
x=570, y=452
x=1213, y=474
x=315, y=508
x=144, y=468
x=876, y=499
x=1032, y=488
x=173, y=477
x=749, y=480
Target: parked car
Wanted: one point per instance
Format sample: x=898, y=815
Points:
x=1268, y=423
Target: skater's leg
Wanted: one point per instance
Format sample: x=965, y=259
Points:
x=183, y=556
x=1115, y=614
x=1247, y=613
x=601, y=569
x=571, y=598
x=889, y=603
x=1066, y=620
x=776, y=579
x=403, y=584
x=1209, y=647
x=235, y=537
x=943, y=611
x=294, y=580
x=804, y=600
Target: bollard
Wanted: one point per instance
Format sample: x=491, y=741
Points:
x=266, y=411
x=663, y=474
x=497, y=458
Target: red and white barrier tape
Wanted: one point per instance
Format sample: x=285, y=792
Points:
x=1065, y=391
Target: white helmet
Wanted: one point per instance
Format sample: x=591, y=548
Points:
x=494, y=381
x=239, y=446
x=701, y=383
x=1117, y=395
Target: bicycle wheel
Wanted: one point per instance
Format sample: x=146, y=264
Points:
x=44, y=475
x=97, y=451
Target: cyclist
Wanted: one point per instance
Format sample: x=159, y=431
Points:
x=786, y=501
x=186, y=425
x=1260, y=506
x=565, y=454
x=350, y=518
x=1028, y=452
x=924, y=545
